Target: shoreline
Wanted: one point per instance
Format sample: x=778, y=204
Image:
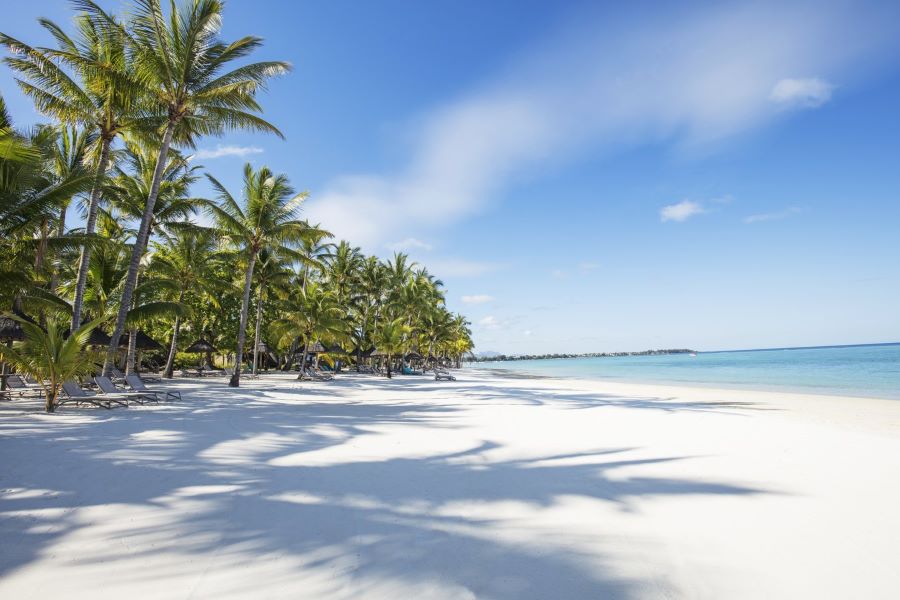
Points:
x=699, y=385
x=485, y=487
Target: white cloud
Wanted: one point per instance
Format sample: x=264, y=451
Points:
x=772, y=216
x=409, y=244
x=455, y=267
x=526, y=333
x=558, y=274
x=682, y=211
x=477, y=299
x=221, y=151
x=588, y=266
x=802, y=93
x=686, y=77
x=489, y=322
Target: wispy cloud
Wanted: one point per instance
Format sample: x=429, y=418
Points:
x=489, y=322
x=801, y=93
x=772, y=216
x=409, y=244
x=221, y=151
x=680, y=212
x=477, y=299
x=685, y=77
x=588, y=266
x=455, y=267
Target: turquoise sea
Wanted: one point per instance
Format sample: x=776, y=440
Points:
x=870, y=370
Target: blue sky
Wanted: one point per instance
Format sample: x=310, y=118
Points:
x=588, y=179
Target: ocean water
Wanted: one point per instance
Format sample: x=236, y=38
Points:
x=871, y=370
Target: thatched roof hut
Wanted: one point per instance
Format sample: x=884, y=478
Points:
x=201, y=345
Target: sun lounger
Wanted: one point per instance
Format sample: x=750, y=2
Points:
x=137, y=384
x=316, y=375
x=441, y=373
x=16, y=384
x=79, y=396
x=108, y=387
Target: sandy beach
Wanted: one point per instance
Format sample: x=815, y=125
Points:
x=486, y=487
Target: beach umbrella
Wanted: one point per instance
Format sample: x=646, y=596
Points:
x=263, y=347
x=335, y=349
x=10, y=330
x=414, y=356
x=316, y=348
x=200, y=345
x=142, y=342
x=96, y=338
x=377, y=352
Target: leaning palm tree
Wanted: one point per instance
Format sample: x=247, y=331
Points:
x=268, y=219
x=183, y=65
x=87, y=80
x=50, y=357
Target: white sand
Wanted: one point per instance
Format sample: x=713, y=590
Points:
x=481, y=488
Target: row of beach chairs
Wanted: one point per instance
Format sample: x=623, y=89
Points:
x=110, y=394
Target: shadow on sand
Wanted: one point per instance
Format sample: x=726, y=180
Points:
x=252, y=495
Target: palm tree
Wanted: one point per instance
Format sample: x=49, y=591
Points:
x=391, y=338
x=50, y=357
x=101, y=96
x=272, y=271
x=182, y=63
x=183, y=259
x=314, y=313
x=267, y=220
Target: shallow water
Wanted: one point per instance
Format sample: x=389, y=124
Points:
x=871, y=370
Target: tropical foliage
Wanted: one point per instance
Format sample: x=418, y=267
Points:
x=100, y=221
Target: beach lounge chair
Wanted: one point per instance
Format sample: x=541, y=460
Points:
x=137, y=384
x=16, y=384
x=316, y=375
x=441, y=373
x=79, y=396
x=108, y=387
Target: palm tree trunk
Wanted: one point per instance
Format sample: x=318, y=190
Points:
x=389, y=358
x=242, y=330
x=256, y=337
x=139, y=246
x=132, y=348
x=60, y=231
x=85, y=260
x=170, y=361
x=305, y=352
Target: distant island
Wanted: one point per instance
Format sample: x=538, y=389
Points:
x=493, y=356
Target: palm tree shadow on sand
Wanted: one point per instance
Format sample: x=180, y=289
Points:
x=255, y=495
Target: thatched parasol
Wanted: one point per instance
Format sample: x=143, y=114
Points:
x=316, y=348
x=200, y=345
x=413, y=356
x=263, y=347
x=335, y=349
x=11, y=330
x=142, y=342
x=377, y=352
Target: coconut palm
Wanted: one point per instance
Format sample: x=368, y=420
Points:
x=183, y=258
x=314, y=315
x=97, y=92
x=266, y=220
x=391, y=338
x=272, y=271
x=184, y=67
x=50, y=357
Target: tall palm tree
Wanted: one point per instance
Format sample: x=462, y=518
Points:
x=184, y=67
x=97, y=92
x=268, y=219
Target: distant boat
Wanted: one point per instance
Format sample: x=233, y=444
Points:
x=693, y=355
